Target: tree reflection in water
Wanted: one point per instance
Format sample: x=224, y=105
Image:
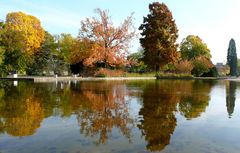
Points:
x=102, y=106
x=21, y=113
x=231, y=97
x=160, y=103
x=99, y=107
x=194, y=98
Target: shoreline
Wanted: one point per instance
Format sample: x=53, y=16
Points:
x=40, y=79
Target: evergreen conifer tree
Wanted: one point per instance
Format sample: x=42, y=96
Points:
x=232, y=58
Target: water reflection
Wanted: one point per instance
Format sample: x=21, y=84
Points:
x=101, y=107
x=230, y=97
x=21, y=112
x=160, y=101
x=158, y=119
x=194, y=98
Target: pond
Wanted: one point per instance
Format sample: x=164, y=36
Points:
x=167, y=116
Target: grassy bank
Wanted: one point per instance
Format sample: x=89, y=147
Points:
x=151, y=74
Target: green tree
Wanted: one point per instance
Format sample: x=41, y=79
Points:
x=61, y=56
x=44, y=57
x=54, y=55
x=159, y=35
x=192, y=47
x=137, y=56
x=64, y=44
x=136, y=62
x=2, y=49
x=16, y=61
x=232, y=58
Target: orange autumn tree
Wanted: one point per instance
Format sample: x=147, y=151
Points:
x=81, y=51
x=159, y=36
x=110, y=43
x=23, y=32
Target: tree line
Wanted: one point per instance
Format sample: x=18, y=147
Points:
x=27, y=48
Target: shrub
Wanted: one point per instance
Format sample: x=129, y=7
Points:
x=211, y=73
x=201, y=65
x=138, y=67
x=169, y=68
x=184, y=67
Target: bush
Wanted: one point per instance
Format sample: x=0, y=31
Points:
x=212, y=73
x=168, y=68
x=139, y=67
x=201, y=65
x=184, y=67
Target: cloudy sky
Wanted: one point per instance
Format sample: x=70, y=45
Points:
x=215, y=21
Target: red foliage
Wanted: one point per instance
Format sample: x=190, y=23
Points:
x=184, y=67
x=111, y=43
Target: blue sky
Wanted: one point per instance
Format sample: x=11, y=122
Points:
x=215, y=21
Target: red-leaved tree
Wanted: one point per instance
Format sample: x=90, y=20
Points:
x=111, y=43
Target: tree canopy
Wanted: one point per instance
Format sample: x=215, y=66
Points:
x=159, y=35
x=43, y=59
x=232, y=58
x=192, y=47
x=194, y=50
x=22, y=32
x=111, y=43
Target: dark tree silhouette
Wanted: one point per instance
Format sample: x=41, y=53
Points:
x=230, y=97
x=232, y=58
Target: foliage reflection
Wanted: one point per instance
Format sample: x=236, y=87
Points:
x=100, y=107
x=230, y=97
x=161, y=100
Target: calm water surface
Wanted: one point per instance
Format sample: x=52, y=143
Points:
x=120, y=117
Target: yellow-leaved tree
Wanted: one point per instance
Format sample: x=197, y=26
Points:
x=23, y=33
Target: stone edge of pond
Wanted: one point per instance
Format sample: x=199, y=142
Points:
x=191, y=78
x=64, y=79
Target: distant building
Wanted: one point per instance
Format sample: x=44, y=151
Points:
x=223, y=69
x=220, y=65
